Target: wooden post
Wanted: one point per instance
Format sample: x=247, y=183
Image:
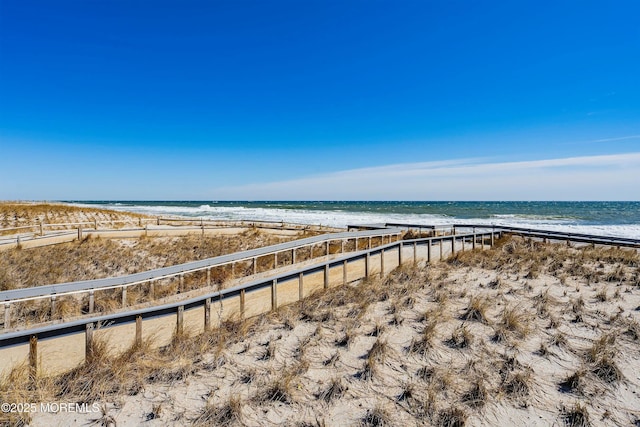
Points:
x=88, y=342
x=300, y=286
x=327, y=248
x=79, y=232
x=33, y=357
x=400, y=254
x=207, y=314
x=53, y=306
x=492, y=237
x=124, y=296
x=429, y=242
x=366, y=265
x=92, y=301
x=473, y=245
x=139, y=330
x=233, y=270
x=274, y=294
x=326, y=276
x=95, y=224
x=369, y=243
x=463, y=239
x=209, y=276
x=342, y=246
x=181, y=287
x=255, y=265
x=344, y=272
x=275, y=260
x=356, y=244
x=7, y=315
x=293, y=256
x=453, y=245
x=441, y=243
x=242, y=296
x=381, y=263
x=41, y=231
x=415, y=252
x=180, y=321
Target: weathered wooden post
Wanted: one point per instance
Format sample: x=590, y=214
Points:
x=33, y=358
x=180, y=321
x=473, y=244
x=242, y=305
x=88, y=342
x=274, y=294
x=293, y=256
x=124, y=296
x=400, y=254
x=429, y=242
x=366, y=265
x=209, y=276
x=415, y=252
x=139, y=330
x=7, y=315
x=275, y=260
x=92, y=301
x=344, y=272
x=53, y=306
x=441, y=243
x=207, y=314
x=80, y=232
x=255, y=265
x=326, y=276
x=381, y=263
x=300, y=286
x=453, y=245
x=181, y=286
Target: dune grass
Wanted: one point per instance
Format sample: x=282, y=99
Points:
x=339, y=353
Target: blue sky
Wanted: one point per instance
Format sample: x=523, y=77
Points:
x=314, y=99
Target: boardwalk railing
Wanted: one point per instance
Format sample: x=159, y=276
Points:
x=53, y=292
x=60, y=347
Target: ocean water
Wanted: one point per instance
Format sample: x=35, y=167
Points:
x=602, y=218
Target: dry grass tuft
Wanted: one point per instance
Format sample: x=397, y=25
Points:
x=229, y=412
x=378, y=417
x=476, y=310
x=334, y=391
x=460, y=338
x=451, y=417
x=577, y=416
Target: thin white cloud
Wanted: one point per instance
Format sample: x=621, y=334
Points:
x=606, y=177
x=617, y=139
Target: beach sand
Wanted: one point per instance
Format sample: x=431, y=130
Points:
x=523, y=334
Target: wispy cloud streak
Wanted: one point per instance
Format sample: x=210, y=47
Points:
x=605, y=177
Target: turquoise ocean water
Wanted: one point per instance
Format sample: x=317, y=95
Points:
x=605, y=218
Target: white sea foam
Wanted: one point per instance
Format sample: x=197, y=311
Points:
x=339, y=218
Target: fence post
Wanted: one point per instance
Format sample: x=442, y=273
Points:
x=300, y=286
x=293, y=256
x=181, y=283
x=415, y=252
x=242, y=295
x=342, y=246
x=255, y=266
x=327, y=248
x=381, y=263
x=275, y=260
x=274, y=294
x=207, y=314
x=209, y=276
x=400, y=254
x=463, y=239
x=139, y=330
x=429, y=242
x=453, y=245
x=41, y=231
x=344, y=272
x=124, y=296
x=366, y=266
x=326, y=276
x=473, y=245
x=7, y=315
x=79, y=232
x=180, y=320
x=441, y=243
x=33, y=357
x=369, y=243
x=88, y=342
x=356, y=244
x=92, y=301
x=53, y=306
